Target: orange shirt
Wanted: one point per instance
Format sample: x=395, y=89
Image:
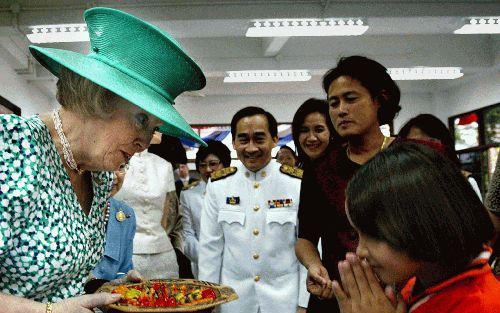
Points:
x=476, y=290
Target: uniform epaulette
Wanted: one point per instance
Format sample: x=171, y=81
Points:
x=223, y=173
x=193, y=184
x=291, y=171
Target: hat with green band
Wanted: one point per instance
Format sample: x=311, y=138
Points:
x=135, y=60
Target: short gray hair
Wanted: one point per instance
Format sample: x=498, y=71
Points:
x=81, y=95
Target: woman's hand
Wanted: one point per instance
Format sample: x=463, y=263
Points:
x=133, y=276
x=85, y=303
x=361, y=291
x=318, y=282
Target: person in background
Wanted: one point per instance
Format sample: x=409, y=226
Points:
x=56, y=168
x=184, y=178
x=171, y=149
x=286, y=155
x=428, y=127
x=312, y=131
x=117, y=259
x=249, y=222
x=421, y=227
x=492, y=203
x=214, y=157
x=361, y=97
x=149, y=188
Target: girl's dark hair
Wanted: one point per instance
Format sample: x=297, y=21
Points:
x=374, y=77
x=430, y=125
x=311, y=105
x=421, y=204
x=216, y=148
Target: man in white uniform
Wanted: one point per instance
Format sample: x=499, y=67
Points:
x=249, y=223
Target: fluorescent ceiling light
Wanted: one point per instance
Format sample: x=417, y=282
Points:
x=429, y=73
x=307, y=27
x=267, y=76
x=480, y=25
x=58, y=33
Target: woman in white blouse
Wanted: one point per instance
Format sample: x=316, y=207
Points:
x=208, y=159
x=149, y=188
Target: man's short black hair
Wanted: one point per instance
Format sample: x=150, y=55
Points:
x=251, y=111
x=374, y=77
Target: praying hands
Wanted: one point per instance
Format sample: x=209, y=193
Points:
x=361, y=291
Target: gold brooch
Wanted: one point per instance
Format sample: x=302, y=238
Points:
x=120, y=216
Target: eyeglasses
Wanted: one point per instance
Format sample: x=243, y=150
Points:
x=211, y=164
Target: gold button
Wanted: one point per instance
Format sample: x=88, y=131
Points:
x=256, y=185
x=256, y=256
x=247, y=174
x=256, y=278
x=263, y=173
x=256, y=208
x=255, y=231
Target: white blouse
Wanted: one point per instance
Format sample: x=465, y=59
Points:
x=147, y=182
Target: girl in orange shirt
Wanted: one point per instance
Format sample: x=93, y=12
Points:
x=421, y=226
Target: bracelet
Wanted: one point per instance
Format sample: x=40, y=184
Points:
x=48, y=308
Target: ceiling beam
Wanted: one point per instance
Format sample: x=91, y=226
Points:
x=12, y=44
x=271, y=46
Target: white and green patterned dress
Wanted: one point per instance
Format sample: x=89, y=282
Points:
x=48, y=245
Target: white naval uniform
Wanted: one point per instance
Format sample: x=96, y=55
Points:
x=249, y=245
x=191, y=201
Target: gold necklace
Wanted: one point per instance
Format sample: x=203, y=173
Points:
x=67, y=153
x=383, y=143
x=382, y=147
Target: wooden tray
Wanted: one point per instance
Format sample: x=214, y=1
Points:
x=224, y=294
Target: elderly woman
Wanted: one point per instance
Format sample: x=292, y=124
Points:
x=55, y=168
x=209, y=159
x=361, y=97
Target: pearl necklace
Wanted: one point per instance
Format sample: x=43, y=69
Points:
x=348, y=151
x=68, y=155
x=106, y=215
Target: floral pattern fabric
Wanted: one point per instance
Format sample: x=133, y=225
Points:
x=48, y=245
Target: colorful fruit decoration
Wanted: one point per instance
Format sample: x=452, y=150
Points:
x=164, y=295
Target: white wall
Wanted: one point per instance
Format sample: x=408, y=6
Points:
x=477, y=93
x=220, y=109
x=473, y=94
x=26, y=96
x=412, y=104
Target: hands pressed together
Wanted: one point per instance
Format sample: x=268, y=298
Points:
x=360, y=291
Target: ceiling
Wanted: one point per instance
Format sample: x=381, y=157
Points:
x=401, y=34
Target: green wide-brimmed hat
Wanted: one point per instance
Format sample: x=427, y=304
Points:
x=135, y=60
